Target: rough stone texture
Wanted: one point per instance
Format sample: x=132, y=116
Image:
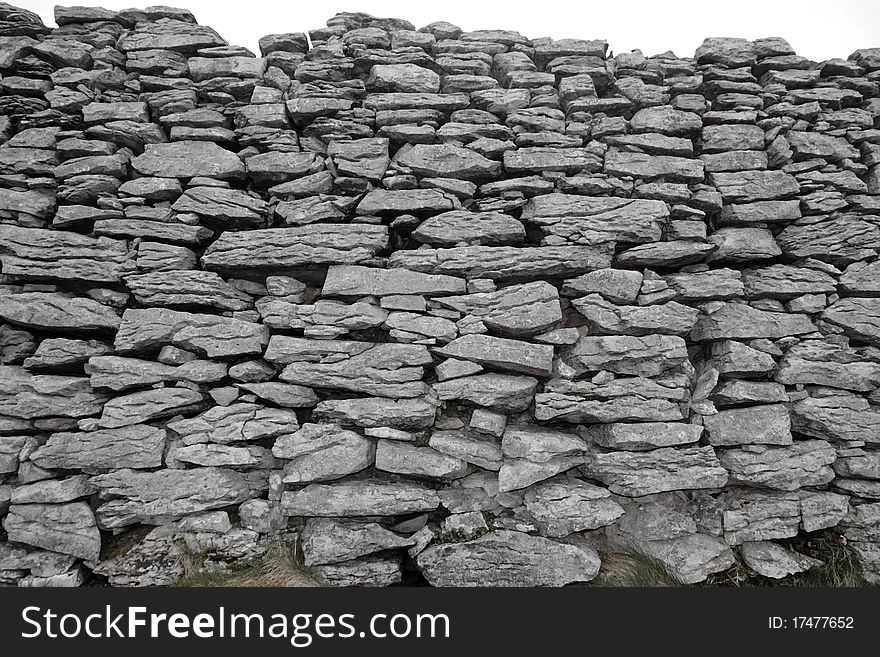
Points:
x=363, y=291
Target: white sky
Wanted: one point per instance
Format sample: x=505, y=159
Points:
x=818, y=29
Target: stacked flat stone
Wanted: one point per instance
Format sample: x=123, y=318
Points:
x=459, y=307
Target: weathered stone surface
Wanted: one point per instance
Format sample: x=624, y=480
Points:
x=28, y=396
x=145, y=331
x=594, y=220
x=478, y=451
x=503, y=392
x=223, y=208
x=814, y=362
x=609, y=318
x=775, y=561
x=383, y=369
x=239, y=422
x=447, y=161
x=562, y=508
x=515, y=310
x=505, y=263
x=649, y=355
x=461, y=227
x=750, y=186
x=742, y=322
x=642, y=473
x=506, y=558
x=117, y=373
x=354, y=280
x=501, y=353
x=804, y=463
x=322, y=452
x=131, y=496
x=640, y=165
x=149, y=405
x=65, y=528
x=633, y=399
x=138, y=446
x=332, y=541
x=858, y=317
x=403, y=78
x=837, y=416
x=287, y=248
x=862, y=279
x=188, y=159
x=34, y=255
x=642, y=436
x=537, y=159
x=840, y=239
x=422, y=462
x=359, y=498
x=403, y=414
x=769, y=424
x=50, y=311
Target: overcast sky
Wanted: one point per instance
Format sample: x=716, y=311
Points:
x=816, y=29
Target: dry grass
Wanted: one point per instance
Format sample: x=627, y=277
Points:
x=277, y=568
x=633, y=568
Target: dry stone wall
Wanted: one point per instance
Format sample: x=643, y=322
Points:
x=458, y=307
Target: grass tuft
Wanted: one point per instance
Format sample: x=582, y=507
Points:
x=279, y=567
x=634, y=568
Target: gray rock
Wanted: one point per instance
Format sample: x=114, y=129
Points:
x=594, y=220
x=666, y=120
x=769, y=424
x=145, y=331
x=760, y=212
x=786, y=282
x=858, y=317
x=131, y=496
x=282, y=394
x=641, y=165
x=516, y=310
x=372, y=570
x=53, y=491
x=423, y=462
x=118, y=373
x=564, y=507
x=65, y=528
x=862, y=279
x=634, y=474
x=29, y=396
x=814, y=362
x=664, y=254
x=57, y=313
x=149, y=405
x=462, y=227
x=448, y=161
x=642, y=436
x=325, y=540
x=188, y=159
x=223, y=208
x=506, y=558
x=750, y=186
x=406, y=201
x=840, y=239
x=502, y=353
x=632, y=399
x=605, y=317
x=239, y=422
x=505, y=263
x=737, y=359
x=30, y=254
x=359, y=498
x=804, y=463
x=647, y=355
x=502, y=392
x=403, y=78
x=537, y=159
x=360, y=158
x=382, y=369
x=841, y=416
x=742, y=322
x=740, y=245
x=354, y=280
x=478, y=451
x=322, y=452
x=138, y=446
x=775, y=561
x=286, y=248
x=403, y=414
